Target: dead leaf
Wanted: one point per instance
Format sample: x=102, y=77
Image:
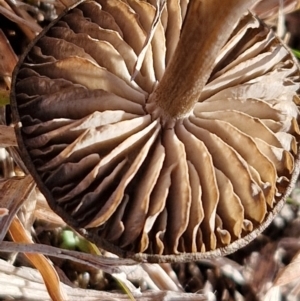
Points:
x=13, y=193
x=7, y=136
x=289, y=273
x=8, y=58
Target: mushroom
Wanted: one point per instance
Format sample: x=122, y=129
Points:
x=160, y=130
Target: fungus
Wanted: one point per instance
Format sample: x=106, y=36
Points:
x=162, y=131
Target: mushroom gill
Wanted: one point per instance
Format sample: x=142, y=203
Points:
x=150, y=131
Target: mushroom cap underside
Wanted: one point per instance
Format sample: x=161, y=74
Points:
x=125, y=177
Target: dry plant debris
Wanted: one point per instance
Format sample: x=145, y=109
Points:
x=219, y=279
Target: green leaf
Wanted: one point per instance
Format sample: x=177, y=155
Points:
x=121, y=280
x=296, y=53
x=86, y=246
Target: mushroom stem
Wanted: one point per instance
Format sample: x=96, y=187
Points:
x=207, y=27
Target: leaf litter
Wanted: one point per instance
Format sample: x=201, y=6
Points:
x=267, y=269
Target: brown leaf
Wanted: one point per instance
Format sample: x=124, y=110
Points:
x=289, y=273
x=13, y=193
x=7, y=136
x=8, y=59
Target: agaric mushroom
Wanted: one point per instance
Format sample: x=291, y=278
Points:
x=161, y=131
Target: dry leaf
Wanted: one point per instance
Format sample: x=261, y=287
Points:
x=289, y=273
x=8, y=58
x=13, y=193
x=7, y=136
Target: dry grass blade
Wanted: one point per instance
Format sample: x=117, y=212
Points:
x=126, y=285
x=13, y=193
x=161, y=278
x=19, y=234
x=26, y=283
x=140, y=58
